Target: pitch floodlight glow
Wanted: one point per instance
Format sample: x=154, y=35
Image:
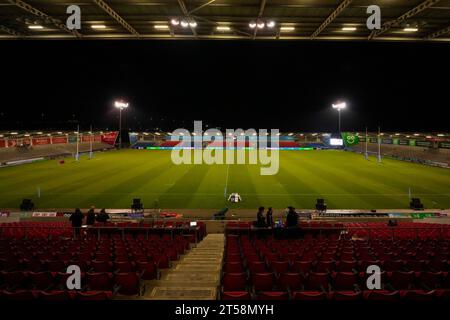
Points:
x=161, y=26
x=223, y=28
x=121, y=105
x=411, y=29
x=271, y=24
x=260, y=24
x=184, y=23
x=287, y=29
x=98, y=26
x=35, y=27
x=252, y=24
x=175, y=22
x=14, y=133
x=290, y=134
x=193, y=24
x=339, y=105
x=349, y=29
x=441, y=135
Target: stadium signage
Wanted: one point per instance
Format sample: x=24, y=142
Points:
x=241, y=147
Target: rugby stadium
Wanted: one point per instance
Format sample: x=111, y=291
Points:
x=134, y=163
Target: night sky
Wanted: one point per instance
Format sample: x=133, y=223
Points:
x=248, y=84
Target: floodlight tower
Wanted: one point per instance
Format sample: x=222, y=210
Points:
x=339, y=106
x=120, y=104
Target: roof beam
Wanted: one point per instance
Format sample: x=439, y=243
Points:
x=36, y=12
x=437, y=34
x=11, y=31
x=388, y=25
x=102, y=4
x=344, y=4
x=186, y=13
x=262, y=6
x=217, y=24
x=201, y=6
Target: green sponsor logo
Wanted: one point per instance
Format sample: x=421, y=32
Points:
x=350, y=139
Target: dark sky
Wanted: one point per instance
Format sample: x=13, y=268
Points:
x=274, y=84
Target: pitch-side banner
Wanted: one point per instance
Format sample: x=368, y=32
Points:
x=57, y=140
x=110, y=137
x=41, y=141
x=350, y=139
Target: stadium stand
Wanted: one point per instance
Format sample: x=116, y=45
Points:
x=408, y=153
x=334, y=269
x=48, y=151
x=33, y=267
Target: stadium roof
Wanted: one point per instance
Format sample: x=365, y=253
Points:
x=294, y=19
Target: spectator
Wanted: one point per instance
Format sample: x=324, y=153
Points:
x=260, y=221
x=90, y=218
x=269, y=217
x=291, y=218
x=77, y=220
x=102, y=216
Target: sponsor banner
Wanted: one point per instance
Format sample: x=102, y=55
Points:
x=423, y=215
x=412, y=142
x=98, y=138
x=88, y=138
x=373, y=140
x=26, y=141
x=110, y=137
x=395, y=141
x=56, y=140
x=2, y=143
x=44, y=214
x=444, y=145
x=350, y=139
x=403, y=142
x=386, y=141
x=423, y=143
x=72, y=139
x=362, y=139
x=4, y=214
x=41, y=141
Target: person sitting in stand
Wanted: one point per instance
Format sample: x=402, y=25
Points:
x=102, y=216
x=269, y=217
x=392, y=223
x=291, y=218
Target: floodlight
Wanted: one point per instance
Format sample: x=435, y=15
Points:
x=175, y=22
x=339, y=105
x=287, y=29
x=223, y=28
x=252, y=24
x=260, y=24
x=411, y=29
x=349, y=29
x=193, y=24
x=184, y=23
x=271, y=24
x=35, y=27
x=161, y=26
x=98, y=26
x=121, y=105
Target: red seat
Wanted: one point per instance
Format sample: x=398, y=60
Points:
x=443, y=294
x=417, y=295
x=42, y=280
x=234, y=282
x=346, y=266
x=381, y=295
x=401, y=280
x=128, y=283
x=279, y=266
x=94, y=295
x=55, y=265
x=235, y=295
x=233, y=258
x=393, y=265
x=147, y=270
x=262, y=281
x=430, y=280
x=124, y=266
x=290, y=281
x=302, y=266
x=309, y=295
x=324, y=266
x=18, y=295
x=100, y=281
x=14, y=279
x=317, y=281
x=345, y=295
x=272, y=295
x=55, y=295
x=102, y=266
x=344, y=281
x=233, y=267
x=256, y=267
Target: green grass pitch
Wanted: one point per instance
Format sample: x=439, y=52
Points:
x=112, y=179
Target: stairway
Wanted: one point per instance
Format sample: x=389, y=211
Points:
x=196, y=276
